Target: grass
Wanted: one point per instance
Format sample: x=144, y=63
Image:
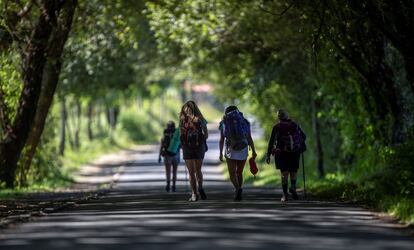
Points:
x=341, y=187
x=60, y=177
x=137, y=125
x=335, y=186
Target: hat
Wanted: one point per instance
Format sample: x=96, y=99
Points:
x=282, y=114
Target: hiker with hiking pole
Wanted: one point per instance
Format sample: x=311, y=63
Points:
x=170, y=151
x=235, y=135
x=193, y=136
x=286, y=144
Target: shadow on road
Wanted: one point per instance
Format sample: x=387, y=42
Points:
x=139, y=214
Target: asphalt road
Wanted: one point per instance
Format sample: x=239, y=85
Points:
x=139, y=214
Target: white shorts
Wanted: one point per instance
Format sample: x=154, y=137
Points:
x=239, y=155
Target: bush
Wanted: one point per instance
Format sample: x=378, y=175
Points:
x=140, y=127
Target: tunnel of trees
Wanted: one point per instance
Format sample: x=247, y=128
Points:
x=343, y=69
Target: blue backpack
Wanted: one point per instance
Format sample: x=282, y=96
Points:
x=236, y=130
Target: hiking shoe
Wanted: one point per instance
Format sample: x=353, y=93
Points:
x=238, y=194
x=193, y=198
x=284, y=198
x=167, y=188
x=173, y=189
x=294, y=194
x=203, y=195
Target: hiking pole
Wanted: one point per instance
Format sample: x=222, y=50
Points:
x=303, y=173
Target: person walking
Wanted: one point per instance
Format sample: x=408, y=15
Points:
x=235, y=135
x=170, y=151
x=286, y=143
x=193, y=136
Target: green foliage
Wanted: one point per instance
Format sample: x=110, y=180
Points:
x=349, y=71
x=341, y=70
x=397, y=176
x=10, y=86
x=45, y=164
x=141, y=127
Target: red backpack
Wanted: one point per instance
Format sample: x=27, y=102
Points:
x=191, y=134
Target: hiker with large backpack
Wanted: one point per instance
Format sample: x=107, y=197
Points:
x=170, y=151
x=286, y=144
x=236, y=137
x=193, y=136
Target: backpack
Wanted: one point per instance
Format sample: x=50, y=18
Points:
x=191, y=134
x=174, y=145
x=290, y=138
x=236, y=130
x=166, y=140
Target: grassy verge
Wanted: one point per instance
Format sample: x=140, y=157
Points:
x=340, y=186
x=60, y=171
x=335, y=186
x=137, y=125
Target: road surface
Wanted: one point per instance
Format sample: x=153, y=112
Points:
x=138, y=214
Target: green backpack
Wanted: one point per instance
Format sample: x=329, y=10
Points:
x=174, y=145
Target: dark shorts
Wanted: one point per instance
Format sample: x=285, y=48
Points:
x=172, y=159
x=190, y=153
x=287, y=161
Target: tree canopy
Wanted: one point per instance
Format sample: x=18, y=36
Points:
x=343, y=69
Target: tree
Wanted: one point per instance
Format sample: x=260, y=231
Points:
x=40, y=51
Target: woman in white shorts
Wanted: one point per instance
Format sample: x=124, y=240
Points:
x=235, y=138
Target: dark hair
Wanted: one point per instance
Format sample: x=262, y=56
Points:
x=170, y=124
x=230, y=109
x=196, y=111
x=282, y=114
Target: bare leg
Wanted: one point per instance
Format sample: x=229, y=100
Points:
x=197, y=165
x=168, y=176
x=232, y=166
x=199, y=174
x=239, y=172
x=174, y=176
x=191, y=175
x=285, y=176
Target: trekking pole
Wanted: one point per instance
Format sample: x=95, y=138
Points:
x=304, y=178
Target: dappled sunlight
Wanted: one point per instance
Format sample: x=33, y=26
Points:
x=139, y=213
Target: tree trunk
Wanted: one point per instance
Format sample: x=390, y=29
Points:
x=108, y=115
x=112, y=117
x=78, y=113
x=50, y=80
x=34, y=61
x=70, y=132
x=116, y=116
x=183, y=91
x=63, y=118
x=90, y=117
x=99, y=119
x=317, y=135
x=409, y=69
x=139, y=102
x=162, y=108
